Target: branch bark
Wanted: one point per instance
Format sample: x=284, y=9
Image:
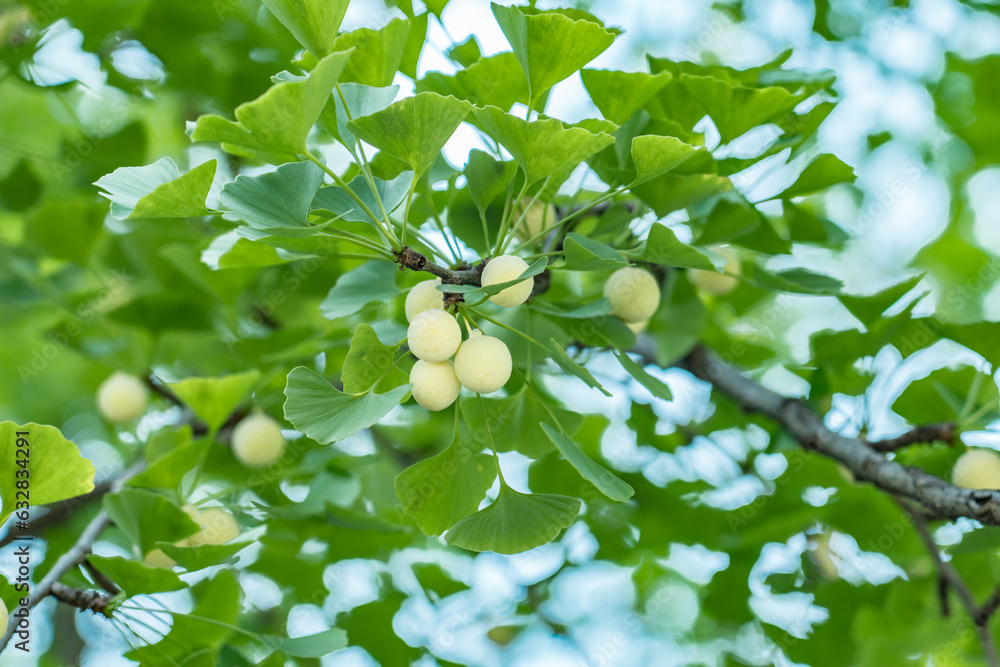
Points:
x=89, y=600
x=941, y=499
x=415, y=261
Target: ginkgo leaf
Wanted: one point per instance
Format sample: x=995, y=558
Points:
x=325, y=414
x=486, y=178
x=602, y=478
x=618, y=95
x=515, y=522
x=654, y=155
x=414, y=129
x=339, y=204
x=663, y=247
x=550, y=46
x=543, y=147
x=314, y=23
x=158, y=190
x=56, y=468
x=213, y=399
x=276, y=202
x=445, y=488
x=278, y=122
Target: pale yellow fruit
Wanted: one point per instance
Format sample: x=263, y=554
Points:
x=714, y=282
x=156, y=558
x=633, y=293
x=434, y=335
x=424, y=296
x=638, y=327
x=217, y=527
x=539, y=217
x=503, y=269
x=435, y=385
x=257, y=441
x=483, y=364
x=3, y=617
x=977, y=469
x=122, y=397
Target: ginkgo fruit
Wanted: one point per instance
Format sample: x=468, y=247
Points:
x=714, y=282
x=434, y=335
x=503, y=269
x=977, y=469
x=122, y=397
x=633, y=293
x=3, y=617
x=538, y=217
x=435, y=385
x=424, y=296
x=483, y=364
x=217, y=526
x=257, y=441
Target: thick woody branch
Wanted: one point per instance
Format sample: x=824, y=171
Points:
x=941, y=499
x=943, y=432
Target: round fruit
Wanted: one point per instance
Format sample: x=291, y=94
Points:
x=503, y=269
x=714, y=282
x=434, y=335
x=483, y=364
x=156, y=558
x=435, y=385
x=977, y=469
x=3, y=617
x=217, y=527
x=539, y=217
x=424, y=296
x=122, y=397
x=633, y=293
x=257, y=441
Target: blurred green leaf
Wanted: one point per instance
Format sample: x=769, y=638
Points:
x=313, y=22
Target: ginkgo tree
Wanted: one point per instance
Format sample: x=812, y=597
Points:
x=324, y=342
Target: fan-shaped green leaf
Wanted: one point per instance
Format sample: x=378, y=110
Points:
x=277, y=202
x=515, y=522
x=158, y=190
x=618, y=95
x=314, y=23
x=413, y=129
x=213, y=399
x=277, y=123
x=335, y=200
x=325, y=414
x=550, y=46
x=544, y=147
x=56, y=468
x=445, y=488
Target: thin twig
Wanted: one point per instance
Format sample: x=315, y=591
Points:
x=83, y=600
x=949, y=578
x=943, y=432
